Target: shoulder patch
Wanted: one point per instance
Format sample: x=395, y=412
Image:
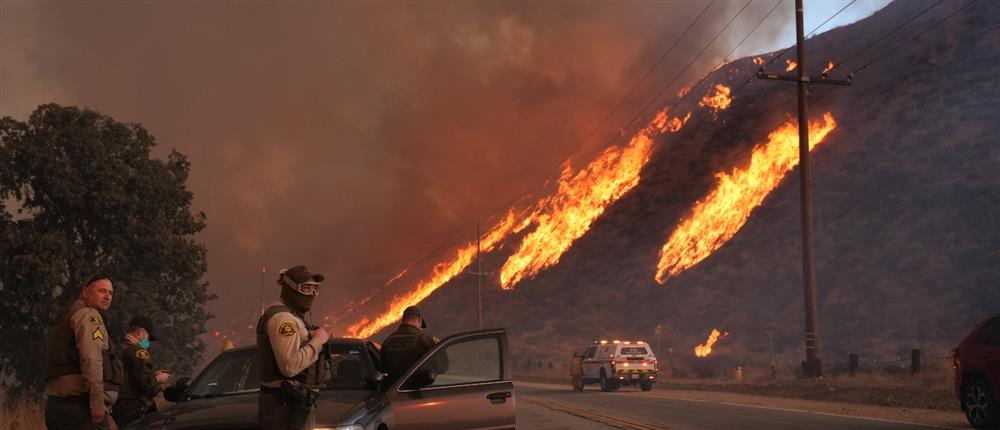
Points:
x=98, y=334
x=436, y=340
x=142, y=354
x=286, y=329
x=95, y=318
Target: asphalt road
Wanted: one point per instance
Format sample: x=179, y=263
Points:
x=549, y=407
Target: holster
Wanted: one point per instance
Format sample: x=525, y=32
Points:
x=299, y=402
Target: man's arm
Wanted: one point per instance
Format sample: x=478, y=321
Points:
x=91, y=340
x=283, y=332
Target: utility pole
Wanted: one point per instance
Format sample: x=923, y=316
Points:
x=260, y=294
x=813, y=365
x=479, y=279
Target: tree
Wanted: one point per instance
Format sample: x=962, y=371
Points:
x=80, y=194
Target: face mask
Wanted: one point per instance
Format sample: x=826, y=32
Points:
x=296, y=300
x=144, y=344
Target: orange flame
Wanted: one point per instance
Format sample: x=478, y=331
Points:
x=396, y=278
x=758, y=60
x=829, y=67
x=719, y=100
x=716, y=219
x=684, y=91
x=582, y=198
x=705, y=349
x=440, y=274
x=790, y=65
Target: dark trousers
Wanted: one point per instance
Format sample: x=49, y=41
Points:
x=71, y=413
x=128, y=411
x=277, y=411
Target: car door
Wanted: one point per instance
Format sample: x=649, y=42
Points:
x=590, y=368
x=986, y=351
x=471, y=387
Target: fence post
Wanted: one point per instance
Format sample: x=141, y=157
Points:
x=914, y=361
x=852, y=364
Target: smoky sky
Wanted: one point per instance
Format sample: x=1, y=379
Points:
x=357, y=138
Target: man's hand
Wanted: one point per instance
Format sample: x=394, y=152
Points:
x=320, y=333
x=161, y=376
x=97, y=415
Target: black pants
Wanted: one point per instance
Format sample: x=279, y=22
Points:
x=71, y=413
x=128, y=411
x=277, y=410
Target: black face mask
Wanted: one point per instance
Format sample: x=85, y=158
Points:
x=301, y=303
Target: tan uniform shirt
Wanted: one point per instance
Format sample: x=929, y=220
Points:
x=293, y=350
x=91, y=340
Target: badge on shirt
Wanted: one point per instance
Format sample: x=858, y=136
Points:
x=142, y=354
x=96, y=319
x=286, y=329
x=98, y=334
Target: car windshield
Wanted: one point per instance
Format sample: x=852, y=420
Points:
x=349, y=363
x=231, y=373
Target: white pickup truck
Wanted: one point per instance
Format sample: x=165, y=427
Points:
x=615, y=363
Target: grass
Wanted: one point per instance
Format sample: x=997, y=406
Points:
x=23, y=415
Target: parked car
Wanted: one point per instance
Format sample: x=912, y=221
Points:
x=476, y=391
x=977, y=373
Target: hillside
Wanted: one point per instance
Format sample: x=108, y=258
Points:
x=906, y=197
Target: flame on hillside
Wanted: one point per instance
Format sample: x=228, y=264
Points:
x=558, y=220
x=716, y=218
x=440, y=274
x=790, y=65
x=829, y=67
x=758, y=60
x=396, y=278
x=705, y=349
x=717, y=100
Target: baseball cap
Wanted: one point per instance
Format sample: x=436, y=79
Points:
x=141, y=321
x=300, y=274
x=415, y=311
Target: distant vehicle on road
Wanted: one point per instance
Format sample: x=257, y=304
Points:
x=475, y=392
x=612, y=364
x=977, y=373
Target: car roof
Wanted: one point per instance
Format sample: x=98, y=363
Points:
x=333, y=340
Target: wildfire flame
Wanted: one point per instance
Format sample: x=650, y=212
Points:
x=683, y=92
x=829, y=67
x=440, y=274
x=790, y=65
x=716, y=219
x=718, y=100
x=758, y=60
x=705, y=349
x=396, y=278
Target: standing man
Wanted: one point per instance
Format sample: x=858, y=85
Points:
x=288, y=352
x=82, y=369
x=135, y=398
x=407, y=344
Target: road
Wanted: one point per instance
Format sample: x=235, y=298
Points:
x=550, y=407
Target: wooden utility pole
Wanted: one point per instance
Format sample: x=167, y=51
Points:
x=813, y=365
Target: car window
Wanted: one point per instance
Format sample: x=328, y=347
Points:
x=633, y=350
x=348, y=366
x=589, y=352
x=231, y=373
x=465, y=362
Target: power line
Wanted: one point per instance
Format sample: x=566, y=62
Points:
x=886, y=35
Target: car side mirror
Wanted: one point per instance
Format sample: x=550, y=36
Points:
x=373, y=379
x=175, y=393
x=423, y=377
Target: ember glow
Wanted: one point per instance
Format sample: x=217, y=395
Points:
x=705, y=349
x=683, y=92
x=829, y=67
x=716, y=218
x=717, y=100
x=790, y=65
x=396, y=278
x=440, y=274
x=758, y=60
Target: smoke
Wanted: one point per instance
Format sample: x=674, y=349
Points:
x=355, y=138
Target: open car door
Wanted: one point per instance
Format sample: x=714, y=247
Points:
x=463, y=383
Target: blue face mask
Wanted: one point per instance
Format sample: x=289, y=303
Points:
x=144, y=344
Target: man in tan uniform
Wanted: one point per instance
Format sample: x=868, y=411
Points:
x=288, y=351
x=82, y=368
